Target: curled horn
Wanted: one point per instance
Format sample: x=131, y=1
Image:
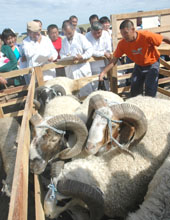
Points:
x=88, y=194
x=95, y=103
x=60, y=91
x=72, y=123
x=134, y=116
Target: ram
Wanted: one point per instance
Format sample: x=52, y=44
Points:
x=47, y=143
x=114, y=179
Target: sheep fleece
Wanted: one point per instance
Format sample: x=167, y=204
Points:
x=123, y=180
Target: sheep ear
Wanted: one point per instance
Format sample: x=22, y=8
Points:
x=36, y=119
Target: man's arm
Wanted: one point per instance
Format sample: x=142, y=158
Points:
x=166, y=39
x=108, y=67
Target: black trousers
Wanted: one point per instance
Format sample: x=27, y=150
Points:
x=145, y=75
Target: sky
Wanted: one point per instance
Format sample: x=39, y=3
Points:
x=16, y=13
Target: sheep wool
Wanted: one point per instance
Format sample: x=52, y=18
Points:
x=157, y=200
x=122, y=179
x=152, y=107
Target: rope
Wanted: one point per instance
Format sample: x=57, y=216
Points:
x=109, y=123
x=52, y=128
x=53, y=190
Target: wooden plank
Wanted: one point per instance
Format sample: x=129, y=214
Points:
x=13, y=101
x=163, y=91
x=79, y=83
x=19, y=195
x=39, y=74
x=125, y=76
x=39, y=212
x=16, y=73
x=123, y=89
x=165, y=63
x=14, y=114
x=142, y=14
x=164, y=80
x=164, y=72
x=165, y=20
x=60, y=64
x=13, y=90
x=1, y=113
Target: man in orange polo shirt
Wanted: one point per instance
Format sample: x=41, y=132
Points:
x=139, y=46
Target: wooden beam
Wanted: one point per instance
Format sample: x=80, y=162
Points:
x=39, y=75
x=39, y=212
x=19, y=195
x=164, y=72
x=123, y=89
x=164, y=80
x=165, y=64
x=16, y=73
x=142, y=14
x=1, y=113
x=13, y=90
x=163, y=91
x=79, y=83
x=13, y=101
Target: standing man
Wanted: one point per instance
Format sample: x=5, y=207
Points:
x=77, y=46
x=139, y=46
x=74, y=20
x=53, y=34
x=101, y=43
x=39, y=49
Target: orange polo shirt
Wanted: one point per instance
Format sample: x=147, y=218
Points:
x=143, y=50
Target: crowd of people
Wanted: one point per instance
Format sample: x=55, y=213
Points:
x=75, y=43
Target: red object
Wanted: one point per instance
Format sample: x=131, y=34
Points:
x=57, y=44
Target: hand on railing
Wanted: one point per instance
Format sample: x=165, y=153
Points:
x=78, y=57
x=3, y=81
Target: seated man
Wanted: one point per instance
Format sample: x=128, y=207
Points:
x=77, y=46
x=39, y=49
x=101, y=43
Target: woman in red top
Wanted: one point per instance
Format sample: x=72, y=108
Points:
x=139, y=46
x=53, y=34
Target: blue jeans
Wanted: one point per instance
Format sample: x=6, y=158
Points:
x=147, y=75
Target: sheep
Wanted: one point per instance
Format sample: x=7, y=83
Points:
x=67, y=84
x=152, y=107
x=8, y=149
x=49, y=139
x=156, y=204
x=121, y=180
x=63, y=105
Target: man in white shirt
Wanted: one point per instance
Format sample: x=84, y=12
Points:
x=101, y=43
x=38, y=49
x=77, y=46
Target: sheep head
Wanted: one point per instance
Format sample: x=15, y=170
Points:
x=49, y=141
x=69, y=193
x=122, y=123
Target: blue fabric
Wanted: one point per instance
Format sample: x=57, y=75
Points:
x=147, y=75
x=16, y=52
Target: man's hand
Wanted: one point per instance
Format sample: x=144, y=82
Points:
x=78, y=57
x=50, y=59
x=107, y=55
x=2, y=80
x=101, y=76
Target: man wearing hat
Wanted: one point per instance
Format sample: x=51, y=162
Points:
x=38, y=49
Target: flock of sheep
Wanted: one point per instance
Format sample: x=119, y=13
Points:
x=107, y=157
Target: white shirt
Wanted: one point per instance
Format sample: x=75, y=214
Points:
x=100, y=46
x=78, y=45
x=38, y=54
